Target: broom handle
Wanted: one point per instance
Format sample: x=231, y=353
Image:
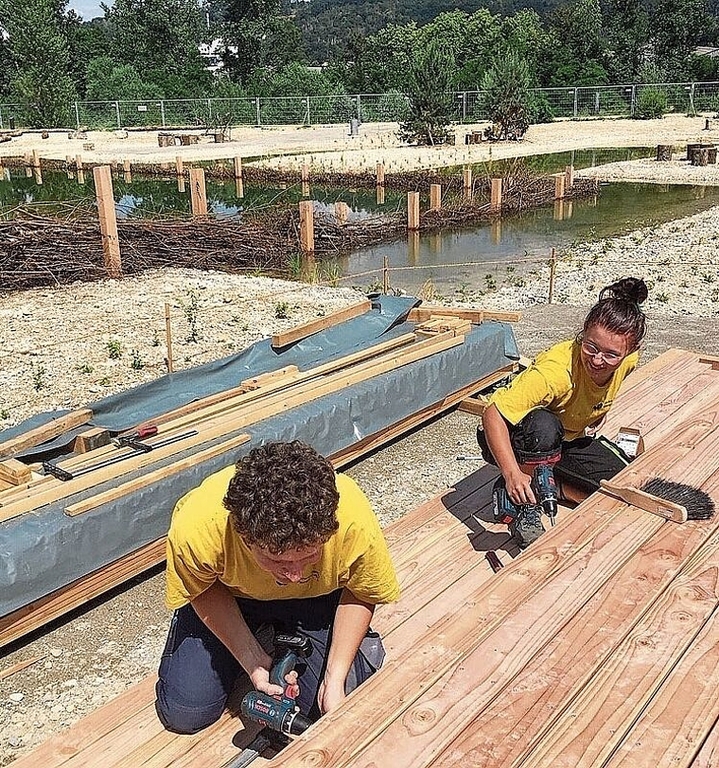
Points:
x=646, y=501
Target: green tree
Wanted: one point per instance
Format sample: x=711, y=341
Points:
x=507, y=97
x=627, y=28
x=40, y=78
x=384, y=60
x=86, y=40
x=161, y=38
x=430, y=97
x=108, y=81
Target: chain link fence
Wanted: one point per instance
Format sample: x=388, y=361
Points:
x=467, y=107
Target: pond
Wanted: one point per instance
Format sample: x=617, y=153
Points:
x=619, y=208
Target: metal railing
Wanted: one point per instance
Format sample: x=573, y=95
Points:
x=467, y=107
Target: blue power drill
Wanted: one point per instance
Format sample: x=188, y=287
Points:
x=280, y=713
x=545, y=491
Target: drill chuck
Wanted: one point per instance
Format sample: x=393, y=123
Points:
x=280, y=715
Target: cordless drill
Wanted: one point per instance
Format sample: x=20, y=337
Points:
x=544, y=488
x=280, y=713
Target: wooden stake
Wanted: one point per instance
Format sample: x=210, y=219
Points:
x=179, y=165
x=126, y=166
x=181, y=184
x=380, y=195
x=559, y=180
x=108, y=220
x=198, y=193
x=238, y=167
x=307, y=227
x=239, y=188
x=552, y=272
x=342, y=212
x=559, y=210
x=168, y=339
x=380, y=174
x=496, y=199
x=435, y=197
x=412, y=211
x=467, y=181
x=305, y=189
x=78, y=162
x=305, y=174
x=385, y=275
x=35, y=159
x=569, y=176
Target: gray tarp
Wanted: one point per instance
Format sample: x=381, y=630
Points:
x=45, y=550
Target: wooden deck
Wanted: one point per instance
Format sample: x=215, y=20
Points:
x=595, y=647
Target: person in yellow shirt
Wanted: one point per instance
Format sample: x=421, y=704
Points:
x=550, y=412
x=277, y=541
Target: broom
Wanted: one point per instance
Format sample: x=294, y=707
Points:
x=674, y=501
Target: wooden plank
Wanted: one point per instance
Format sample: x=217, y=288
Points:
x=516, y=719
x=708, y=755
x=108, y=220
x=227, y=397
x=14, y=472
x=320, y=324
x=474, y=405
x=425, y=312
x=367, y=444
x=256, y=382
x=9, y=671
x=153, y=477
x=91, y=439
x=46, y=432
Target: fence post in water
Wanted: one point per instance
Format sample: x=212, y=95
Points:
x=198, y=193
x=435, y=197
x=108, y=220
x=412, y=211
x=307, y=227
x=569, y=176
x=552, y=272
x=467, y=181
x=559, y=180
x=495, y=203
x=168, y=338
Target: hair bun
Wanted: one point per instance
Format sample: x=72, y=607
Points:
x=632, y=289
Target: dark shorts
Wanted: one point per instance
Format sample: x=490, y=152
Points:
x=583, y=463
x=197, y=673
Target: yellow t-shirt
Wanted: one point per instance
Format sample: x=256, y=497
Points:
x=203, y=547
x=558, y=381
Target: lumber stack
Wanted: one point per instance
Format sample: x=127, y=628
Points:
x=203, y=430
x=595, y=647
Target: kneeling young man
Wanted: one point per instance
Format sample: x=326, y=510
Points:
x=278, y=540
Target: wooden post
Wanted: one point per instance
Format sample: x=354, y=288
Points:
x=305, y=189
x=108, y=220
x=35, y=159
x=239, y=188
x=126, y=166
x=37, y=171
x=495, y=231
x=552, y=272
x=467, y=181
x=559, y=210
x=380, y=174
x=179, y=166
x=569, y=176
x=342, y=212
x=307, y=227
x=412, y=211
x=380, y=195
x=28, y=164
x=198, y=193
x=181, y=184
x=435, y=197
x=81, y=176
x=413, y=248
x=559, y=179
x=305, y=174
x=496, y=198
x=78, y=162
x=168, y=338
x=385, y=275
x=238, y=167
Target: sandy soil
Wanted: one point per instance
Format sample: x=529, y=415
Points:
x=329, y=147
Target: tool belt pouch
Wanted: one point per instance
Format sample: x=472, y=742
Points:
x=368, y=660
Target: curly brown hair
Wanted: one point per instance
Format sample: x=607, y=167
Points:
x=283, y=496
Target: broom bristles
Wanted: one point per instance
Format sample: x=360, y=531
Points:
x=698, y=504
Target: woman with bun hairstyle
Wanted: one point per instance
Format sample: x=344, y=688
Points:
x=550, y=411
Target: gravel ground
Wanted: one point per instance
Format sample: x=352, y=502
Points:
x=56, y=352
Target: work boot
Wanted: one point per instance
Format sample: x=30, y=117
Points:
x=527, y=527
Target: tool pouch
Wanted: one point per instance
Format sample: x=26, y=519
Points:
x=368, y=660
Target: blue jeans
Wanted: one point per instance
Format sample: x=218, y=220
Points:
x=197, y=673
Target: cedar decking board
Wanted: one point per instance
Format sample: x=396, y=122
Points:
x=598, y=646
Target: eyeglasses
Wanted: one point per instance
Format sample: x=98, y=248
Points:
x=611, y=358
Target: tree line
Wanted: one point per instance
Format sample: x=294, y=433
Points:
x=149, y=49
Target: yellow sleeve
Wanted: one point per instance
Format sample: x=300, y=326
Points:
x=528, y=391
x=370, y=575
x=195, y=547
